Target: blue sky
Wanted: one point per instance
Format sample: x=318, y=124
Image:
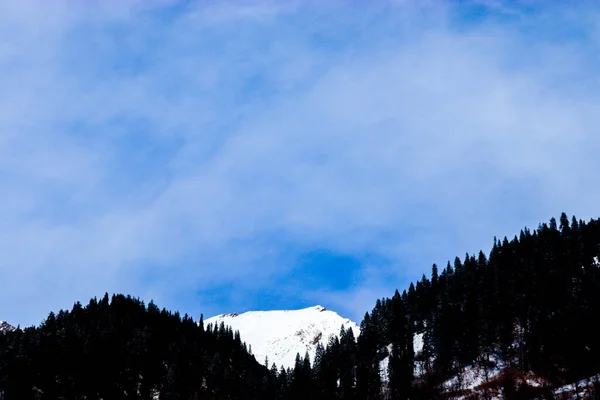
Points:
x=228, y=156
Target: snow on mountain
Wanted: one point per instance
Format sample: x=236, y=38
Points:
x=383, y=364
x=418, y=342
x=583, y=389
x=6, y=327
x=280, y=334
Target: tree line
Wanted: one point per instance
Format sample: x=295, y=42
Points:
x=119, y=348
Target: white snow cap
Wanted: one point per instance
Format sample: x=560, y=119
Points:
x=280, y=334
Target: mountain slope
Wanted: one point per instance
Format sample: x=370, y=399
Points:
x=281, y=334
x=519, y=323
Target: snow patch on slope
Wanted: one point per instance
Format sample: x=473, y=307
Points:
x=472, y=377
x=585, y=388
x=418, y=343
x=6, y=327
x=280, y=334
x=384, y=364
x=417, y=348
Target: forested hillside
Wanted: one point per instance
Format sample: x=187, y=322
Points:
x=522, y=320
x=122, y=349
x=531, y=307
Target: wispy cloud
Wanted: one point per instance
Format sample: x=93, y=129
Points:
x=167, y=149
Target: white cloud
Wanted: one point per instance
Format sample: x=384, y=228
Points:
x=200, y=150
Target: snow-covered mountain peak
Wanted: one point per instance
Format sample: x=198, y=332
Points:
x=280, y=334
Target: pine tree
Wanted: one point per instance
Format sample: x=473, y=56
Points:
x=347, y=362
